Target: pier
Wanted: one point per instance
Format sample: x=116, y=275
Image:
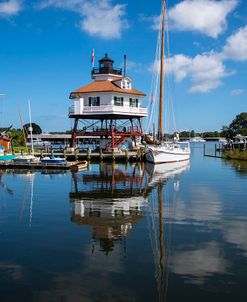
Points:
x=127, y=156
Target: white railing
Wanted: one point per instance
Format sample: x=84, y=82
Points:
x=110, y=108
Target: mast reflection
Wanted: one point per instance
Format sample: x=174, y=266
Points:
x=163, y=185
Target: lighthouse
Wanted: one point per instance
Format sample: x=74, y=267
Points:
x=108, y=108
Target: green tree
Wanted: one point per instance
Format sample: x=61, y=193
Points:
x=239, y=124
x=225, y=132
x=192, y=133
x=36, y=129
x=17, y=137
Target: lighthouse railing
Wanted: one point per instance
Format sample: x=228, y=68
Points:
x=108, y=109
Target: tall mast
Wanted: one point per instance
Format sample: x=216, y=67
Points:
x=30, y=127
x=162, y=61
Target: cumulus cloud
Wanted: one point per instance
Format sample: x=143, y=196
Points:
x=235, y=233
x=98, y=18
x=200, y=264
x=10, y=8
x=236, y=46
x=205, y=16
x=205, y=71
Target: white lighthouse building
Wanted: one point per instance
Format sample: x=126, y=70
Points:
x=111, y=104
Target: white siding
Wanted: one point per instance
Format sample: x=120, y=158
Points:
x=78, y=103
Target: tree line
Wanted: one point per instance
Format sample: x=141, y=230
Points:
x=237, y=126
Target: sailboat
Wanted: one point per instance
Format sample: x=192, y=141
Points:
x=27, y=158
x=173, y=151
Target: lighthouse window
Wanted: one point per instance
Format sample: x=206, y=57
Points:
x=94, y=101
x=118, y=101
x=133, y=102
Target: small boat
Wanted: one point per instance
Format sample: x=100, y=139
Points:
x=38, y=143
x=197, y=139
x=26, y=159
x=81, y=165
x=222, y=140
x=54, y=161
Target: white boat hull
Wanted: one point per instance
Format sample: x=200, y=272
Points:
x=167, y=154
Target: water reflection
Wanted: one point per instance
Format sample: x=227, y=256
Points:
x=239, y=166
x=3, y=185
x=110, y=200
x=124, y=233
x=116, y=198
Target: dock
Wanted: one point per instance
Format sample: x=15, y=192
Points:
x=33, y=165
x=91, y=157
x=132, y=156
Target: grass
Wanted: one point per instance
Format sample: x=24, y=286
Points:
x=235, y=154
x=24, y=150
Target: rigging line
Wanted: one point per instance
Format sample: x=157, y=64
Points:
x=155, y=79
x=22, y=127
x=169, y=75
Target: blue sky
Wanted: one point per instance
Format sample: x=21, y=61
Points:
x=46, y=47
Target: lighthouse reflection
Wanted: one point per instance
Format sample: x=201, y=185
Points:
x=112, y=198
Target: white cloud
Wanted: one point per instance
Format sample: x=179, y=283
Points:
x=237, y=92
x=205, y=16
x=236, y=46
x=10, y=8
x=235, y=233
x=205, y=71
x=200, y=264
x=98, y=18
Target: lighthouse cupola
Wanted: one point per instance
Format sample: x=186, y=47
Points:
x=106, y=64
x=106, y=68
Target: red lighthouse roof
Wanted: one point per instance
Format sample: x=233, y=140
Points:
x=104, y=86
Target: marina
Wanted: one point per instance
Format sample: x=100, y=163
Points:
x=127, y=180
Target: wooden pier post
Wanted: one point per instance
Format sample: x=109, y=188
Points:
x=138, y=154
x=76, y=154
x=113, y=155
x=101, y=155
x=142, y=153
x=127, y=155
x=204, y=149
x=88, y=153
x=215, y=150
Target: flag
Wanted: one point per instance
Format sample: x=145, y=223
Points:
x=92, y=58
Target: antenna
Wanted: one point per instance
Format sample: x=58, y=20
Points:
x=124, y=65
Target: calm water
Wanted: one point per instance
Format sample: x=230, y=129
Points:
x=125, y=233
